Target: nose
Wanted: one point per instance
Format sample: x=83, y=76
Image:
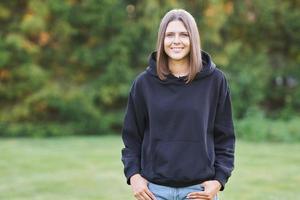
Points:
x=176, y=39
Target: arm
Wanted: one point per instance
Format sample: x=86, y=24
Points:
x=224, y=137
x=132, y=134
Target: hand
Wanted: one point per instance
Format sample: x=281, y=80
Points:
x=211, y=188
x=140, y=189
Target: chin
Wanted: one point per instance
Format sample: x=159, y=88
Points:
x=177, y=57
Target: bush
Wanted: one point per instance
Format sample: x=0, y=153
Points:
x=259, y=128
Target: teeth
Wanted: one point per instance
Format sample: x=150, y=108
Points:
x=177, y=48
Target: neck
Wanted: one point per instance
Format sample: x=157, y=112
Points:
x=179, y=67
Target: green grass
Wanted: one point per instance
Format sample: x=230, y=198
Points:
x=87, y=168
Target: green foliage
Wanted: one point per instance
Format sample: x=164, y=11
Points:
x=256, y=127
x=26, y=79
x=66, y=66
x=266, y=33
x=248, y=77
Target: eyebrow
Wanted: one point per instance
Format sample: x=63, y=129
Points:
x=176, y=32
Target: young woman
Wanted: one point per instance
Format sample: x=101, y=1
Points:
x=178, y=130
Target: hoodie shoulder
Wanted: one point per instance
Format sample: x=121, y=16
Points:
x=141, y=77
x=221, y=78
x=137, y=83
x=219, y=73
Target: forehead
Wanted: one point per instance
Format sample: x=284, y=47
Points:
x=176, y=26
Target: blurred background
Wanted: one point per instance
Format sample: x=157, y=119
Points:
x=66, y=67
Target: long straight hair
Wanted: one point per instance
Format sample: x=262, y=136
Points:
x=195, y=59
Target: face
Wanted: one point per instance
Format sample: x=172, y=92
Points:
x=177, y=41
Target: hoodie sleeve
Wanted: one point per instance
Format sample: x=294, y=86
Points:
x=132, y=133
x=224, y=137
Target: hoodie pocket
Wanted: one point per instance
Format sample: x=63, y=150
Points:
x=181, y=160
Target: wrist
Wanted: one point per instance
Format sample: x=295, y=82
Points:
x=134, y=176
x=218, y=183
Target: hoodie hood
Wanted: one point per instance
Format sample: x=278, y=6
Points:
x=208, y=69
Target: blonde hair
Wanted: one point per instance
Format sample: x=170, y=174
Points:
x=195, y=59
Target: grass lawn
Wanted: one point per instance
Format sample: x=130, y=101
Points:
x=87, y=168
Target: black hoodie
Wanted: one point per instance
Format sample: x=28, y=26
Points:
x=179, y=134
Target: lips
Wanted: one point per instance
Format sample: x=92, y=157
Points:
x=176, y=49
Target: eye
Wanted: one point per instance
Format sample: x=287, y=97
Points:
x=169, y=34
x=184, y=34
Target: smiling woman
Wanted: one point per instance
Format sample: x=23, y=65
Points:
x=177, y=47
x=178, y=130
x=177, y=41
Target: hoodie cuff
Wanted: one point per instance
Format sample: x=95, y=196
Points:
x=222, y=178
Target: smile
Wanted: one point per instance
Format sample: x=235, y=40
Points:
x=177, y=49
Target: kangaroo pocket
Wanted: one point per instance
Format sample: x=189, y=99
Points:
x=181, y=161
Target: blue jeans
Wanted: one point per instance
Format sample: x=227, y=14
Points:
x=172, y=193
